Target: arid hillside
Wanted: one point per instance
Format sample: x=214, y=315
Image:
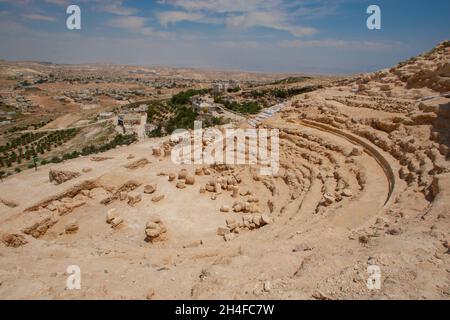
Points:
x=363, y=183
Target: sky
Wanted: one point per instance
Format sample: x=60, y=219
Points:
x=303, y=36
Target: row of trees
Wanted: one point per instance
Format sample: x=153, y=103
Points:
x=88, y=150
x=34, y=126
x=281, y=93
x=247, y=107
x=184, y=97
x=27, y=146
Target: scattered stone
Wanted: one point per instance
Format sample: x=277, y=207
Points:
x=39, y=228
x=199, y=171
x=229, y=237
x=149, y=189
x=357, y=151
x=182, y=174
x=71, y=227
x=158, y=198
x=347, y=193
x=100, y=159
x=363, y=239
x=123, y=196
x=116, y=222
x=134, y=197
x=86, y=170
x=194, y=244
x=138, y=164
x=394, y=231
x=257, y=221
x=320, y=296
x=59, y=177
x=172, y=177
x=181, y=185
x=301, y=248
x=155, y=229
x=238, y=207
x=221, y=231
x=225, y=208
x=110, y=215
x=156, y=218
x=190, y=180
x=156, y=152
x=329, y=199
x=218, y=188
x=230, y=221
x=265, y=219
x=14, y=240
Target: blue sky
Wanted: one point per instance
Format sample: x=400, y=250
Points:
x=316, y=36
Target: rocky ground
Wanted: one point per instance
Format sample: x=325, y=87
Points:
x=364, y=181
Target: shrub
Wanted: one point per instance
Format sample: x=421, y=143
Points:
x=55, y=159
x=185, y=96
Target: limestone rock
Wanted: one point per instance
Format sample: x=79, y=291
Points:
x=155, y=229
x=182, y=174
x=71, y=227
x=190, y=180
x=14, y=240
x=59, y=177
x=158, y=198
x=134, y=197
x=117, y=221
x=149, y=189
x=110, y=215
x=221, y=231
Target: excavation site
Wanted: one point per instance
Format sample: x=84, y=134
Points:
x=138, y=163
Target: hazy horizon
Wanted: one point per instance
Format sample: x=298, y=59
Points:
x=276, y=36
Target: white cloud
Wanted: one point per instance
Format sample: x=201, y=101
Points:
x=136, y=25
x=38, y=17
x=168, y=17
x=224, y=6
x=117, y=8
x=273, y=14
x=274, y=20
